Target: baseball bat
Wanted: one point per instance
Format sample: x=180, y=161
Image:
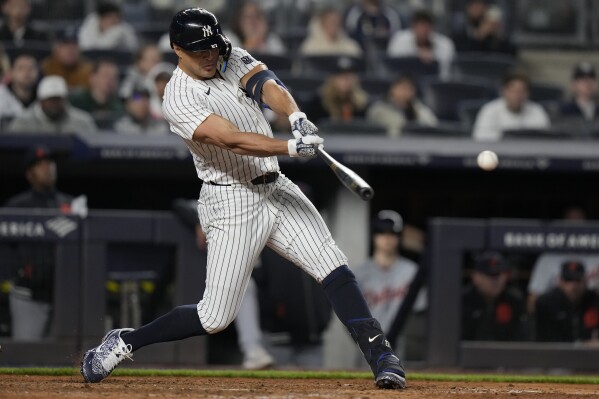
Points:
x=348, y=177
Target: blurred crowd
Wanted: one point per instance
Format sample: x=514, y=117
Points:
x=392, y=68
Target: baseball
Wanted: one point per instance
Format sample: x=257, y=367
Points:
x=487, y=160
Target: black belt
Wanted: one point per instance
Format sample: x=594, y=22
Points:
x=266, y=178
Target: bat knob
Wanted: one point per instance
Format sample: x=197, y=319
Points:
x=366, y=193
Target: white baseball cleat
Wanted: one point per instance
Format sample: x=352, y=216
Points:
x=257, y=359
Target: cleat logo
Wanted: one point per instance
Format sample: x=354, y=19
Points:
x=373, y=338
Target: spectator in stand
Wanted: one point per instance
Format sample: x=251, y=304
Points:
x=422, y=42
x=327, y=36
x=492, y=310
x=512, y=110
x=570, y=311
x=584, y=89
x=340, y=98
x=100, y=99
x=372, y=22
x=66, y=60
x=144, y=60
x=52, y=113
x=157, y=79
x=482, y=30
x=32, y=295
x=15, y=30
x=252, y=32
x=138, y=119
x=401, y=107
x=106, y=30
x=20, y=91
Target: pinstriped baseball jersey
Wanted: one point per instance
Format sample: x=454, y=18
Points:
x=239, y=217
x=188, y=102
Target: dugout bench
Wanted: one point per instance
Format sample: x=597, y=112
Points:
x=127, y=244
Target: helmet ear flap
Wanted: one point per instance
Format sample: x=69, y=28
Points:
x=225, y=52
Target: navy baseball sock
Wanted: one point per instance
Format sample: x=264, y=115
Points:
x=345, y=296
x=181, y=322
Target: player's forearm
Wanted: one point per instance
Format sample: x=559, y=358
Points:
x=278, y=99
x=253, y=144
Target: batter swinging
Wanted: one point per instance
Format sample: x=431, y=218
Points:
x=213, y=102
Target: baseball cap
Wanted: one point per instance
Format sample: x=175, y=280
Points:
x=490, y=263
x=584, y=69
x=387, y=221
x=572, y=271
x=36, y=154
x=345, y=64
x=69, y=35
x=52, y=86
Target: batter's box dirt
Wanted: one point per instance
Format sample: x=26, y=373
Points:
x=24, y=386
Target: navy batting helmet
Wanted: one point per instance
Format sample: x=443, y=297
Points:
x=196, y=29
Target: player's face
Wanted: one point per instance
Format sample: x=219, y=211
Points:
x=42, y=175
x=200, y=64
x=489, y=286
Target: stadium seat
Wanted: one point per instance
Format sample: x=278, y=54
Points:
x=122, y=58
x=329, y=63
x=355, y=126
x=468, y=110
x=543, y=92
x=303, y=88
x=444, y=130
x=39, y=50
x=540, y=134
x=483, y=65
x=375, y=86
x=443, y=96
x=278, y=63
x=410, y=65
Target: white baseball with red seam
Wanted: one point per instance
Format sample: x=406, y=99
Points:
x=487, y=160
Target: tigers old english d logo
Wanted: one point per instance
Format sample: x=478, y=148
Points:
x=207, y=30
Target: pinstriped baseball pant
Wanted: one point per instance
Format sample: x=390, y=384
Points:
x=239, y=220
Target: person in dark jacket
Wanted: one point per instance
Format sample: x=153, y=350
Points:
x=15, y=29
x=570, y=311
x=584, y=89
x=491, y=310
x=32, y=293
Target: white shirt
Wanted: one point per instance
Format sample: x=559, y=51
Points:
x=495, y=117
x=118, y=37
x=10, y=105
x=188, y=102
x=403, y=44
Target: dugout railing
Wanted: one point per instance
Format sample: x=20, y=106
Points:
x=122, y=245
x=449, y=241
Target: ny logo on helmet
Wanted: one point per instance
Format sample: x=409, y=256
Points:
x=207, y=30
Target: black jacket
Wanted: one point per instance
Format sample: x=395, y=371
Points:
x=558, y=320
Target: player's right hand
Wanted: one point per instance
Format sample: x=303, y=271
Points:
x=301, y=126
x=304, y=147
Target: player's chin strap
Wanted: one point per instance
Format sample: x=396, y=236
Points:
x=256, y=82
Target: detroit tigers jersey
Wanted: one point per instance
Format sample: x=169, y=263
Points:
x=188, y=102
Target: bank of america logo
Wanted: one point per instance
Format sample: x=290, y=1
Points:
x=61, y=226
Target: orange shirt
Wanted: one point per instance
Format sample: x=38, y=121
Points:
x=76, y=77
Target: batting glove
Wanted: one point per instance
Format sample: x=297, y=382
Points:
x=301, y=126
x=304, y=147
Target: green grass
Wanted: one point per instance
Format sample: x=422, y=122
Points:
x=310, y=374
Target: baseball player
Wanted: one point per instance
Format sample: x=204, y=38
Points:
x=213, y=102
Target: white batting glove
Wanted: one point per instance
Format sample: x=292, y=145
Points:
x=304, y=147
x=301, y=126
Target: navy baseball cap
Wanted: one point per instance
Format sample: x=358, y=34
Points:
x=387, y=221
x=68, y=35
x=36, y=154
x=572, y=271
x=584, y=69
x=490, y=263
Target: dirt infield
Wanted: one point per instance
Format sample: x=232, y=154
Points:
x=213, y=388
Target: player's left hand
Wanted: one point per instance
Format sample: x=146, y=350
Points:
x=301, y=126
